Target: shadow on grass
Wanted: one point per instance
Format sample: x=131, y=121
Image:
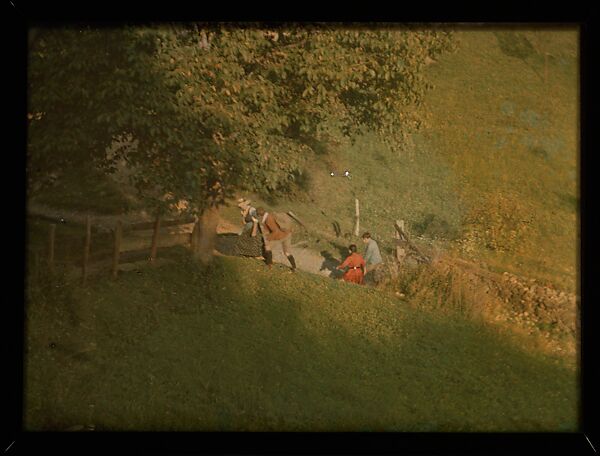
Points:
x=240, y=348
x=330, y=264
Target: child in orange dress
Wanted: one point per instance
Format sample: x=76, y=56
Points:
x=356, y=266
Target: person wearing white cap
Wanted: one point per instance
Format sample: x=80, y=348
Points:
x=249, y=242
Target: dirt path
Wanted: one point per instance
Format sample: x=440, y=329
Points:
x=306, y=259
x=525, y=302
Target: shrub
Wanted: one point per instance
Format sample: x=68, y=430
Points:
x=501, y=223
x=433, y=226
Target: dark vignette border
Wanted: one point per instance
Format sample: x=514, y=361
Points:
x=23, y=14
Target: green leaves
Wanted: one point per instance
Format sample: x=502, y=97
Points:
x=217, y=97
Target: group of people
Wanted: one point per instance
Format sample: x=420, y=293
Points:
x=358, y=268
x=262, y=233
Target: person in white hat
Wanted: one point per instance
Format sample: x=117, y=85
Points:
x=250, y=241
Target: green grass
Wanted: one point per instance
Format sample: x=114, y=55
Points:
x=504, y=130
x=498, y=137
x=239, y=348
x=236, y=348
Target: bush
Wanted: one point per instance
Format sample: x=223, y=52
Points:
x=433, y=226
x=501, y=223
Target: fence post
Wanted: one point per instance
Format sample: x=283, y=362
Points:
x=357, y=218
x=36, y=264
x=399, y=235
x=194, y=237
x=51, y=233
x=408, y=248
x=117, y=249
x=86, y=247
x=155, y=238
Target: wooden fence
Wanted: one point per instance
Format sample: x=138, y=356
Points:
x=121, y=229
x=405, y=248
x=120, y=233
x=124, y=240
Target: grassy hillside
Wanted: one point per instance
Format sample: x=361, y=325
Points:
x=492, y=174
x=508, y=129
x=240, y=348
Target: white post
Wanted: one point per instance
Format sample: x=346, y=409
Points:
x=357, y=218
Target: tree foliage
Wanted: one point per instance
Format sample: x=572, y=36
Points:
x=215, y=108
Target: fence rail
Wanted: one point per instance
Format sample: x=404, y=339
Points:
x=122, y=240
x=151, y=225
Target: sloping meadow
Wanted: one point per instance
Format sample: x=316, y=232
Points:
x=237, y=347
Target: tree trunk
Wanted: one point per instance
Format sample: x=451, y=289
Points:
x=206, y=235
x=155, y=235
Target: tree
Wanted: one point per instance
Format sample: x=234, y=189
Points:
x=216, y=108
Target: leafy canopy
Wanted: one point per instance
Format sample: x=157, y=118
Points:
x=209, y=109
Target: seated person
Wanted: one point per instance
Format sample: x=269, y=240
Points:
x=355, y=264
